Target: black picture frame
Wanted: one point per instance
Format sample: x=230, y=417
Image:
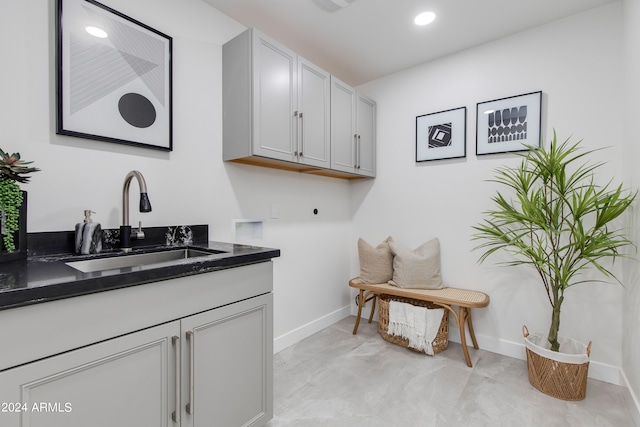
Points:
x=509, y=124
x=115, y=87
x=441, y=135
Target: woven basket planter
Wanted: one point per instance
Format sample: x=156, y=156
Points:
x=559, y=374
x=441, y=340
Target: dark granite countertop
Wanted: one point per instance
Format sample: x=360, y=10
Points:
x=46, y=278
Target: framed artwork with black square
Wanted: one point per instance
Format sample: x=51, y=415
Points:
x=113, y=77
x=441, y=135
x=508, y=124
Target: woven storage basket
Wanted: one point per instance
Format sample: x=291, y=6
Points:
x=564, y=379
x=441, y=340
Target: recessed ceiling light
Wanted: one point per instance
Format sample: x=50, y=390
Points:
x=425, y=18
x=97, y=32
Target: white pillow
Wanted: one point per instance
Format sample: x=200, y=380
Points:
x=376, y=264
x=417, y=269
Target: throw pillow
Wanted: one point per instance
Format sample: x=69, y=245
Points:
x=376, y=264
x=417, y=269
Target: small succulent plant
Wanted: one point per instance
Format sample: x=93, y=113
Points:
x=11, y=167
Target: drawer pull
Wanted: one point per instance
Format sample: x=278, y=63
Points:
x=175, y=341
x=190, y=339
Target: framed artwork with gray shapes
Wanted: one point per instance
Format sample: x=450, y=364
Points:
x=508, y=124
x=441, y=135
x=113, y=77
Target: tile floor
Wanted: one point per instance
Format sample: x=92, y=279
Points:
x=334, y=378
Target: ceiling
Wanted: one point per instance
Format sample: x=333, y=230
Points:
x=369, y=39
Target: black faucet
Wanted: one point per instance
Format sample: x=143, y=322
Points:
x=145, y=206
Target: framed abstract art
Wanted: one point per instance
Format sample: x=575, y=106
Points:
x=508, y=124
x=441, y=135
x=113, y=77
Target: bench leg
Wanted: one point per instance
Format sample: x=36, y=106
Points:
x=470, y=325
x=362, y=300
x=373, y=307
x=463, y=337
x=360, y=304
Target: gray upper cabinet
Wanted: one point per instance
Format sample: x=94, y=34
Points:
x=276, y=104
x=277, y=109
x=274, y=96
x=353, y=130
x=366, y=131
x=314, y=115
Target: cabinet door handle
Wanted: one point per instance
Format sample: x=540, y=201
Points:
x=355, y=148
x=190, y=339
x=295, y=115
x=301, y=134
x=175, y=341
x=359, y=150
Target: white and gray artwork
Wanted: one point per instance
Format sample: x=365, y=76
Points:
x=114, y=77
x=98, y=69
x=439, y=135
x=507, y=124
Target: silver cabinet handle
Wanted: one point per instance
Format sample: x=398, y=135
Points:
x=357, y=142
x=175, y=341
x=295, y=153
x=355, y=147
x=359, y=150
x=301, y=135
x=190, y=339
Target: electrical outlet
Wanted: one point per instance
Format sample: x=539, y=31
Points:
x=275, y=211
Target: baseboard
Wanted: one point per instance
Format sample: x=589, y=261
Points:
x=597, y=370
x=632, y=400
x=304, y=331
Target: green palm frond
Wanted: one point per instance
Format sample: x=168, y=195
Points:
x=557, y=220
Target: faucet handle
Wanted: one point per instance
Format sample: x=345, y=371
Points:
x=138, y=234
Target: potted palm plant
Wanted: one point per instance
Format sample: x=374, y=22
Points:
x=558, y=221
x=13, y=219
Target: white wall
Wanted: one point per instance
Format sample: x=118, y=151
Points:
x=631, y=305
x=190, y=185
x=576, y=63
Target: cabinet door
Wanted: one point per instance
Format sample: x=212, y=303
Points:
x=126, y=381
x=274, y=99
x=228, y=365
x=343, y=126
x=366, y=139
x=313, y=114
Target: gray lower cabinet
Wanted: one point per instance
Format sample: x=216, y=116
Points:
x=126, y=381
x=211, y=368
x=228, y=373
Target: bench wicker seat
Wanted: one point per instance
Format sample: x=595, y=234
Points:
x=464, y=299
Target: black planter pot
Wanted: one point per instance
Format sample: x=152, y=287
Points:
x=20, y=236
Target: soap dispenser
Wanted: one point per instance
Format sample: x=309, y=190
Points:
x=88, y=235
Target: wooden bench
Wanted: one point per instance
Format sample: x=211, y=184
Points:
x=446, y=297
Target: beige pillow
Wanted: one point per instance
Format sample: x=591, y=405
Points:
x=417, y=269
x=376, y=264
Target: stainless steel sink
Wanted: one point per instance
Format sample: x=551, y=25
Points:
x=138, y=260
